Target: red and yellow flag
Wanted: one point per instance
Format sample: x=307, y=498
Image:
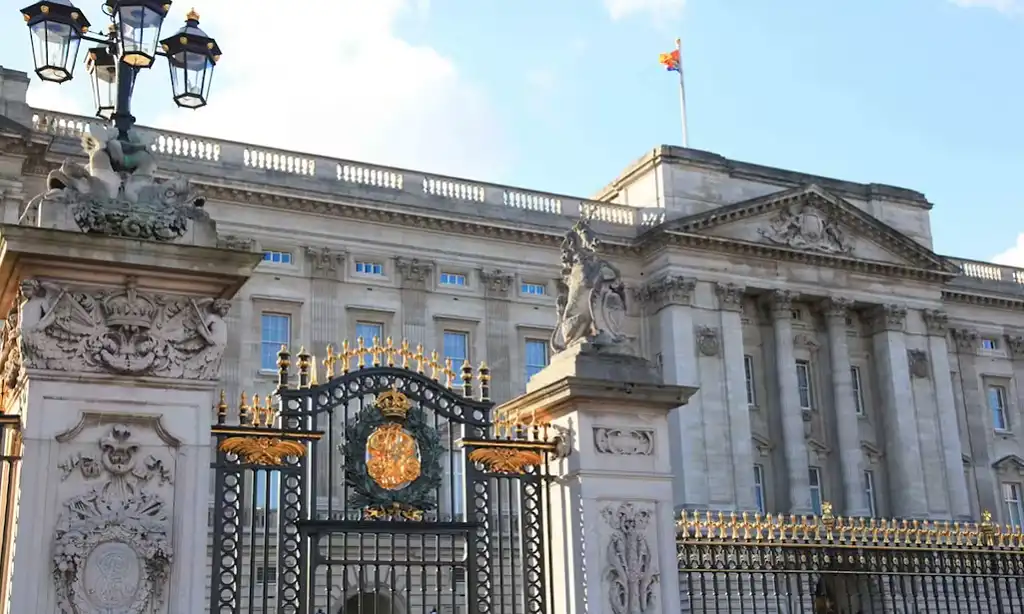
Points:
x=670, y=60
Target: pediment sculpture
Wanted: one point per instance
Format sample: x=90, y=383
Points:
x=807, y=228
x=124, y=331
x=117, y=193
x=591, y=303
x=112, y=548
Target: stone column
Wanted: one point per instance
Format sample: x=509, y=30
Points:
x=327, y=326
x=413, y=275
x=899, y=414
x=780, y=304
x=851, y=458
x=730, y=304
x=613, y=537
x=238, y=320
x=937, y=323
x=667, y=301
x=118, y=420
x=979, y=424
x=497, y=290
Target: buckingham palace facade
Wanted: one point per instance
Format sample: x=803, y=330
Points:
x=838, y=357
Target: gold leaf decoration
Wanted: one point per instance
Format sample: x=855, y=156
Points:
x=506, y=460
x=262, y=450
x=392, y=457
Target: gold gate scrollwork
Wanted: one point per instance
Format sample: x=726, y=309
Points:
x=261, y=444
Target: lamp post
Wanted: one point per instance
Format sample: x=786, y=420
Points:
x=57, y=28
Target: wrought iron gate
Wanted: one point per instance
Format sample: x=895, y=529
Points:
x=380, y=491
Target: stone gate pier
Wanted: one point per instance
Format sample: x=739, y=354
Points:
x=117, y=344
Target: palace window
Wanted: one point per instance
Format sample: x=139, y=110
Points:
x=803, y=382
x=456, y=347
x=815, y=482
x=277, y=257
x=748, y=372
x=369, y=331
x=759, y=488
x=869, y=493
x=997, y=405
x=533, y=289
x=452, y=279
x=858, y=390
x=365, y=267
x=275, y=331
x=536, y=357
x=989, y=343
x=266, y=575
x=1014, y=508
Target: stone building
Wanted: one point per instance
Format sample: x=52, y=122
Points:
x=839, y=358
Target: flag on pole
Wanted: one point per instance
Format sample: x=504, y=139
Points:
x=673, y=61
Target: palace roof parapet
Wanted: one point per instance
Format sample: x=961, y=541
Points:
x=212, y=161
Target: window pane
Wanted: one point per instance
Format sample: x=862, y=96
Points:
x=759, y=488
x=748, y=369
x=536, y=356
x=997, y=403
x=803, y=380
x=275, y=331
x=456, y=347
x=369, y=330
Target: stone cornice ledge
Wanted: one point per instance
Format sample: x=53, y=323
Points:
x=567, y=394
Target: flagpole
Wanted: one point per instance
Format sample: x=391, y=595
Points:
x=682, y=90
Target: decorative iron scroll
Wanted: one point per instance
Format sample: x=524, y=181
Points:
x=518, y=443
x=393, y=459
x=254, y=447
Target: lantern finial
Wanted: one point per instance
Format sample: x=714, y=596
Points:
x=192, y=15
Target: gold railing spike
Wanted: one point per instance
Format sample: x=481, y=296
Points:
x=222, y=407
x=313, y=369
x=405, y=353
x=360, y=353
x=375, y=351
x=244, y=417
x=329, y=363
x=448, y=372
x=433, y=365
x=346, y=356
x=420, y=361
x=389, y=351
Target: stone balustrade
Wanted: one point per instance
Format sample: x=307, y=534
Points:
x=987, y=271
x=269, y=165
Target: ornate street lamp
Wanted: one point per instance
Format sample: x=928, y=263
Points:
x=57, y=28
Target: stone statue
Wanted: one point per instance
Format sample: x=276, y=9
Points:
x=122, y=331
x=807, y=228
x=117, y=194
x=591, y=296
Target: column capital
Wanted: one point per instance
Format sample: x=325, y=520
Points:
x=936, y=321
x=730, y=296
x=779, y=303
x=497, y=283
x=837, y=308
x=888, y=318
x=413, y=272
x=324, y=262
x=1016, y=344
x=966, y=340
x=667, y=290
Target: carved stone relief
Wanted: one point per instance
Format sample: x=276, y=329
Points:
x=806, y=227
x=244, y=244
x=123, y=331
x=837, y=307
x=624, y=442
x=1016, y=345
x=325, y=262
x=889, y=318
x=918, y=362
x=112, y=548
x=708, y=341
x=12, y=364
x=806, y=341
x=632, y=574
x=591, y=303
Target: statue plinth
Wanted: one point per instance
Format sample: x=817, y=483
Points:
x=599, y=362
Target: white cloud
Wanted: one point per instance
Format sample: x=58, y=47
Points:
x=1003, y=6
x=332, y=77
x=658, y=9
x=1013, y=256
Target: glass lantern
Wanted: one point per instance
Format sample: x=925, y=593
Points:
x=55, y=29
x=138, y=24
x=191, y=56
x=102, y=67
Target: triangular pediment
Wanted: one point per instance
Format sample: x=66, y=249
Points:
x=1011, y=462
x=811, y=220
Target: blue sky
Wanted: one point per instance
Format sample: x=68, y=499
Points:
x=560, y=96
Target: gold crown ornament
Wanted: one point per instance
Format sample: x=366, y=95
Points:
x=393, y=405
